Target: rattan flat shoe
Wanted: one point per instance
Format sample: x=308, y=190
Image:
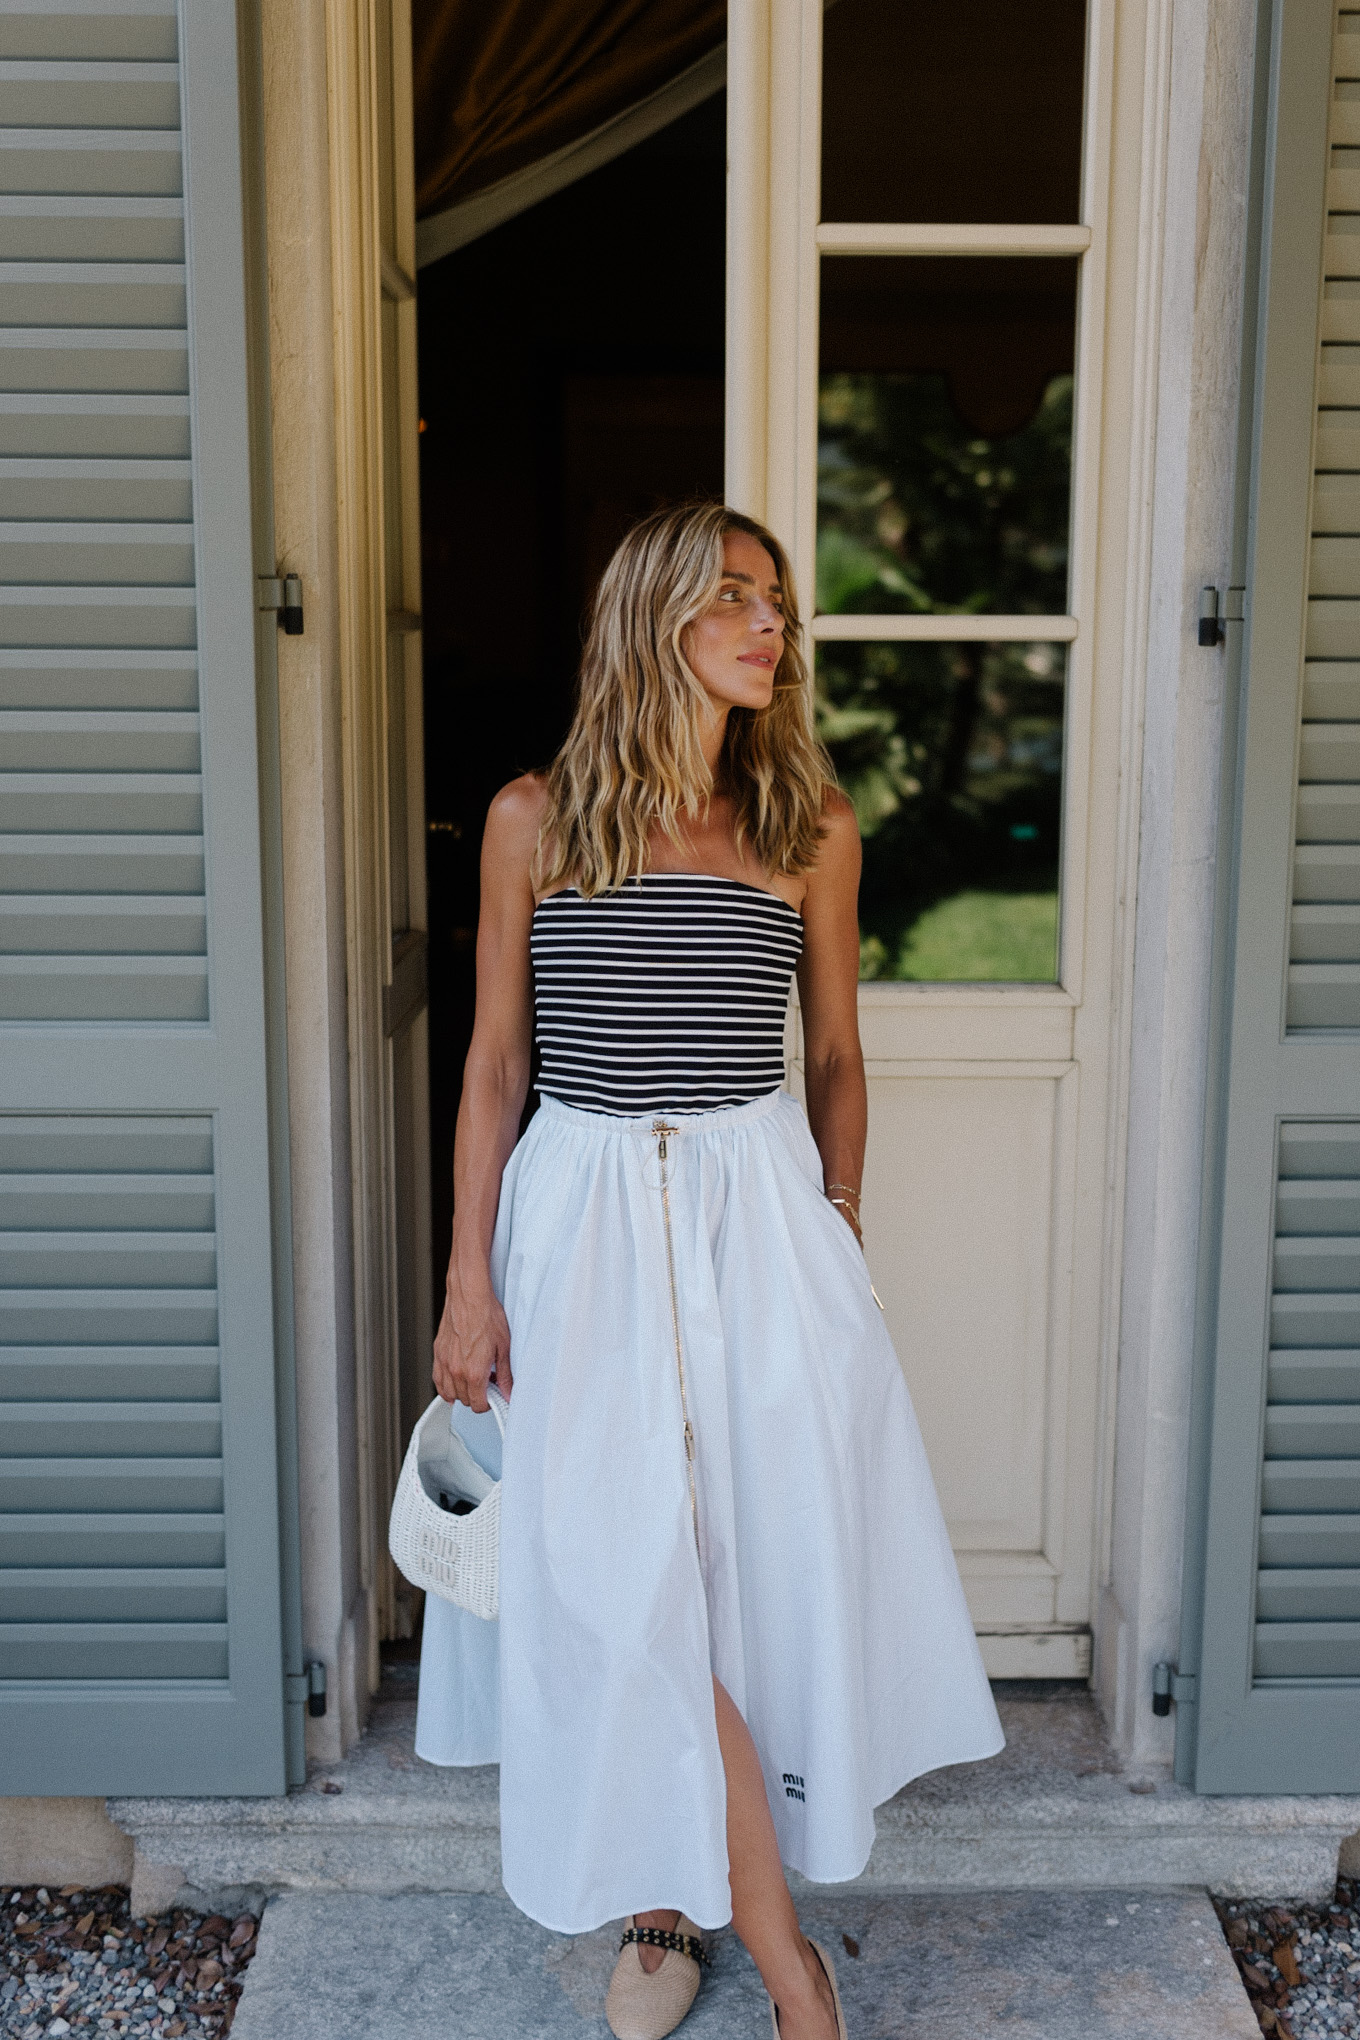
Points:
x=829, y=1970
x=643, y=2007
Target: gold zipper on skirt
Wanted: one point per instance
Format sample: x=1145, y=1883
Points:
x=662, y=1132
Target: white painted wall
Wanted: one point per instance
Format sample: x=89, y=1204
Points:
x=1200, y=212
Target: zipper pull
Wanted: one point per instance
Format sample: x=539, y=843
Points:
x=689, y=1441
x=660, y=1129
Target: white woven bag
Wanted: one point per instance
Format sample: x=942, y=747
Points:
x=456, y=1557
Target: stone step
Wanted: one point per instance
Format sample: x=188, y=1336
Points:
x=1106, y=1965
x=1056, y=1809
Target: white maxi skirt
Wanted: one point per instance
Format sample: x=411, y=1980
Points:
x=822, y=1593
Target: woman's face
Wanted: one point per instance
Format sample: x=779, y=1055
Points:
x=735, y=648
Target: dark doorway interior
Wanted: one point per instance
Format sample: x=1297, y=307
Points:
x=571, y=379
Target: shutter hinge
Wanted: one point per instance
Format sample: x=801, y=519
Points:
x=1168, y=1684
x=282, y=593
x=1215, y=617
x=308, y=1686
x=1211, y=631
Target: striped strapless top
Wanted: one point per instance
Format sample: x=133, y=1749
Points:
x=666, y=996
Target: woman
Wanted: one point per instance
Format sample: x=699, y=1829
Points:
x=731, y=1624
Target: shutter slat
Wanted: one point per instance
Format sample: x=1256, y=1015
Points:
x=114, y=1650
x=1327, y=871
x=1309, y=1487
x=113, y=1430
x=148, y=490
x=107, y=1259
x=143, y=362
x=1315, y=1374
x=1315, y=1321
x=93, y=988
x=145, y=33
x=122, y=1317
x=1318, y=1206
x=1323, y=995
x=1313, y=1431
x=49, y=160
x=74, y=1486
x=65, y=1202
x=1329, y=814
x=1319, y=1263
x=98, y=680
x=109, y=1374
x=103, y=1143
x=108, y=95
x=79, y=554
x=168, y=803
x=1308, y=1650
x=109, y=1594
x=1336, y=498
x=47, y=229
x=107, y=864
x=155, y=1538
x=1325, y=1540
x=1334, y=567
x=63, y=616
x=1311, y=1594
x=1330, y=751
x=92, y=294
x=37, y=426
x=47, y=924
x=66, y=740
x=1325, y=934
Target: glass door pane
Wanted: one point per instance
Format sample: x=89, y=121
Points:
x=952, y=754
x=970, y=111
x=945, y=435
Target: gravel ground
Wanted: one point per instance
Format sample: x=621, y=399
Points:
x=1301, y=1965
x=75, y=1961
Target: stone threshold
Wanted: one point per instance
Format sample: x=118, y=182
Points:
x=1057, y=1810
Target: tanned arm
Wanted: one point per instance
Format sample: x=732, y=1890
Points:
x=473, y=1342
x=828, y=982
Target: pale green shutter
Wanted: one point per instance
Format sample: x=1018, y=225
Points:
x=140, y=1646
x=1279, y=1668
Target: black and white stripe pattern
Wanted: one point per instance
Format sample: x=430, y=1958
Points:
x=667, y=996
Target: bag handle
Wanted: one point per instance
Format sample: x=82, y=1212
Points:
x=498, y=1403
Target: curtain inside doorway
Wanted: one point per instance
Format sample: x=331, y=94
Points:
x=499, y=84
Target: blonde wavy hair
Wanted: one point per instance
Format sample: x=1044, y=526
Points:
x=632, y=761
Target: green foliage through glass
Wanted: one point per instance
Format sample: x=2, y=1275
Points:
x=952, y=754
x=917, y=512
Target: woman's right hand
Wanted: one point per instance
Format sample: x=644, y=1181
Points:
x=472, y=1347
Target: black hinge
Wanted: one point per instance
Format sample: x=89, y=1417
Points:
x=1211, y=631
x=1214, y=617
x=1170, y=1683
x=283, y=593
x=309, y=1686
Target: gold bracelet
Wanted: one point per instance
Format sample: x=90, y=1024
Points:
x=848, y=1188
x=854, y=1215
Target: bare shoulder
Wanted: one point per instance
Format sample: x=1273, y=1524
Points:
x=838, y=818
x=839, y=855
x=515, y=816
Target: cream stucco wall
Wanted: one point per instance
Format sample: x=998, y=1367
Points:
x=1198, y=215
x=302, y=375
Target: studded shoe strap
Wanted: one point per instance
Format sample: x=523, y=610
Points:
x=657, y=1937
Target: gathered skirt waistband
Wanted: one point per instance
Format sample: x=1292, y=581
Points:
x=642, y=1125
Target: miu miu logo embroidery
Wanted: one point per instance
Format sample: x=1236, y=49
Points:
x=793, y=1786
